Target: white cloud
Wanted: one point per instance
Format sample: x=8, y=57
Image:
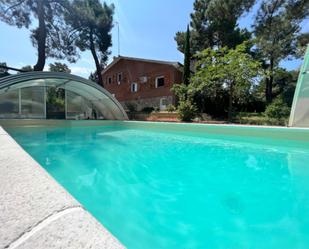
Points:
x=82, y=71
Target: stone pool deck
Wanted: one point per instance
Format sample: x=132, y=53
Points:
x=36, y=212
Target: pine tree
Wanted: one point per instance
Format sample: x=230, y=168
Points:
x=214, y=24
x=278, y=32
x=51, y=36
x=92, y=31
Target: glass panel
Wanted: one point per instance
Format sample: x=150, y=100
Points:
x=80, y=108
x=301, y=116
x=300, y=108
x=9, y=104
x=33, y=102
x=55, y=103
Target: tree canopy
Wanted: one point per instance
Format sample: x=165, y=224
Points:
x=230, y=74
x=3, y=70
x=59, y=67
x=278, y=34
x=27, y=68
x=50, y=37
x=214, y=24
x=233, y=71
x=92, y=23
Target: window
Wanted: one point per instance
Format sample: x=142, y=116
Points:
x=119, y=78
x=134, y=87
x=159, y=81
x=109, y=80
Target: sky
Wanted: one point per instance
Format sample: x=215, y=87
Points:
x=147, y=30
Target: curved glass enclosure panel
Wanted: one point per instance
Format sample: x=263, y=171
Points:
x=9, y=104
x=32, y=101
x=41, y=95
x=300, y=108
x=80, y=108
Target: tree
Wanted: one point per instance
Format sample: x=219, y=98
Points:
x=92, y=23
x=27, y=68
x=201, y=35
x=93, y=77
x=187, y=110
x=187, y=59
x=3, y=70
x=55, y=97
x=226, y=70
x=50, y=37
x=277, y=112
x=302, y=43
x=285, y=84
x=277, y=30
x=59, y=67
x=214, y=24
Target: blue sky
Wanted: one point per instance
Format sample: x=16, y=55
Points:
x=147, y=30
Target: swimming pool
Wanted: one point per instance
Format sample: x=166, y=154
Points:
x=183, y=186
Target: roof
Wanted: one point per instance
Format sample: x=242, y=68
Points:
x=175, y=64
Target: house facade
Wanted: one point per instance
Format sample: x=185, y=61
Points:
x=142, y=83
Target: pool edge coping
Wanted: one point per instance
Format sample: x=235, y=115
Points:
x=231, y=125
x=41, y=122
x=54, y=220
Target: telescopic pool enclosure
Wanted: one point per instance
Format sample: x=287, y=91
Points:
x=50, y=95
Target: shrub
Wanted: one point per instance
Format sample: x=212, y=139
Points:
x=131, y=107
x=156, y=109
x=187, y=110
x=170, y=108
x=148, y=109
x=277, y=109
x=277, y=112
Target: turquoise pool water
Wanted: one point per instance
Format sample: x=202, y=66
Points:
x=169, y=189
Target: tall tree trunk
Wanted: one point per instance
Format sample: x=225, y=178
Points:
x=269, y=82
x=96, y=59
x=41, y=37
x=230, y=111
x=187, y=59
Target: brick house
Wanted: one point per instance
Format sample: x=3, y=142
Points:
x=141, y=82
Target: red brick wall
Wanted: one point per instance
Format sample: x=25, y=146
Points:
x=132, y=70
